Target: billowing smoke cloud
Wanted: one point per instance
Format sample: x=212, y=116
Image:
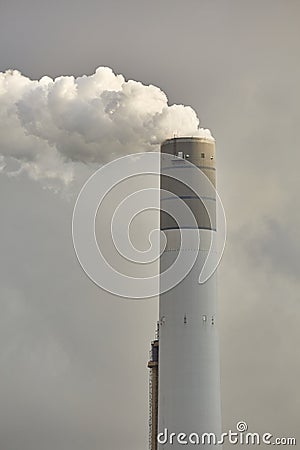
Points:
x=48, y=128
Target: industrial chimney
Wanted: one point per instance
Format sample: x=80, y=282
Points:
x=184, y=378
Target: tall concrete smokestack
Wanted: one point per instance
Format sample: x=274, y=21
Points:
x=188, y=368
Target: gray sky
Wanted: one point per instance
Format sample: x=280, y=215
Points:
x=73, y=359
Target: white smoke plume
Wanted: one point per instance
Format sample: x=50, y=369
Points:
x=48, y=128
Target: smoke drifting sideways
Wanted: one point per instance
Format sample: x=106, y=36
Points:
x=54, y=129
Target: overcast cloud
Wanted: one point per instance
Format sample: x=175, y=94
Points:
x=73, y=359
